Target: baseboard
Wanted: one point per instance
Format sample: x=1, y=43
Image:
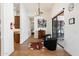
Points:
x=25, y=40
x=67, y=52
x=60, y=45
x=20, y=44
x=8, y=54
x=12, y=53
x=64, y=49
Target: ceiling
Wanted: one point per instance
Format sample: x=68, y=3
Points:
x=33, y=7
x=16, y=6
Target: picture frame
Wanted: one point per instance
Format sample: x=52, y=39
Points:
x=71, y=7
x=72, y=21
x=41, y=23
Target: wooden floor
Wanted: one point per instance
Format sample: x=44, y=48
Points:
x=23, y=50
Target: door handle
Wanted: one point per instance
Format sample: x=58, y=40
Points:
x=11, y=25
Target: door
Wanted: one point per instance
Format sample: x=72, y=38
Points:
x=17, y=21
x=58, y=29
x=54, y=27
x=41, y=34
x=7, y=22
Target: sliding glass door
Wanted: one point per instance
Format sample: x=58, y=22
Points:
x=54, y=28
x=57, y=28
x=60, y=29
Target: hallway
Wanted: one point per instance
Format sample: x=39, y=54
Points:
x=48, y=22
x=23, y=50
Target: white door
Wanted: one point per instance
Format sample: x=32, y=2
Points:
x=7, y=20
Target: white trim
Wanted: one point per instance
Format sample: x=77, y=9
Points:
x=7, y=54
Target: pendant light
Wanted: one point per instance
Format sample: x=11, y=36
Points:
x=39, y=12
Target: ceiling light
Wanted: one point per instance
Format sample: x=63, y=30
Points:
x=39, y=10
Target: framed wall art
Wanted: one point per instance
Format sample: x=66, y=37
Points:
x=71, y=7
x=41, y=23
x=72, y=21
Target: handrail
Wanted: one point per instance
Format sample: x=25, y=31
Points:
x=59, y=14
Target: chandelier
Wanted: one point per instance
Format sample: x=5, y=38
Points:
x=39, y=10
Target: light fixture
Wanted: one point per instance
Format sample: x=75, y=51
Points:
x=39, y=11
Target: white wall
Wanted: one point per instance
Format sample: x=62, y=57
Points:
x=57, y=7
x=25, y=29
x=7, y=40
x=0, y=17
x=49, y=23
x=16, y=13
x=72, y=31
x=49, y=26
x=47, y=16
x=36, y=29
x=36, y=25
x=0, y=10
x=0, y=29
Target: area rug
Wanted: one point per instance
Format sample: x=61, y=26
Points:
x=36, y=45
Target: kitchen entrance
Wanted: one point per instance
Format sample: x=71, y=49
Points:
x=16, y=25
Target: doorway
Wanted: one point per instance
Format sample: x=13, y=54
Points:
x=16, y=25
x=32, y=25
x=58, y=28
x=16, y=32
